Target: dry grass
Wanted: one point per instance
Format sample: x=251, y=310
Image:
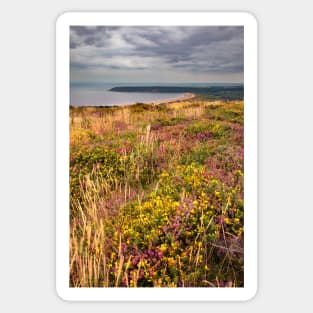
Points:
x=157, y=195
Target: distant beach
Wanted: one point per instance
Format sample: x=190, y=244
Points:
x=186, y=96
x=111, y=95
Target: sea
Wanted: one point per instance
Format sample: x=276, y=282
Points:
x=99, y=94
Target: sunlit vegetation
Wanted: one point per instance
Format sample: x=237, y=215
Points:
x=156, y=195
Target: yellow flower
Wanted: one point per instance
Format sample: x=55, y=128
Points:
x=163, y=247
x=174, y=245
x=171, y=261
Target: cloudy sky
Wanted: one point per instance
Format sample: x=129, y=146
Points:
x=156, y=54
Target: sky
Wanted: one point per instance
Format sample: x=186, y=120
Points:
x=212, y=54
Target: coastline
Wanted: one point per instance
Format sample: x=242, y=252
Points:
x=185, y=96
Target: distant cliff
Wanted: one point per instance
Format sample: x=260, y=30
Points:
x=215, y=92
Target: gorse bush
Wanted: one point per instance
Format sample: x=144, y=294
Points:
x=231, y=113
x=138, y=168
x=162, y=207
x=207, y=129
x=176, y=235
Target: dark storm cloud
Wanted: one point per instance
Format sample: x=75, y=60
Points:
x=82, y=35
x=203, y=49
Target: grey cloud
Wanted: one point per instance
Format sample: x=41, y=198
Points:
x=196, y=49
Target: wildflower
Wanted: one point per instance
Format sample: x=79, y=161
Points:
x=171, y=261
x=163, y=247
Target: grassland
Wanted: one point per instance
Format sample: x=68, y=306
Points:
x=156, y=195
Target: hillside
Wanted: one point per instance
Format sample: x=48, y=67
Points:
x=213, y=92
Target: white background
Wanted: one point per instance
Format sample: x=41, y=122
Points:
x=27, y=158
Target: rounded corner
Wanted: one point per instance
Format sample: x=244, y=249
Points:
x=251, y=18
x=62, y=18
x=251, y=294
x=61, y=294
